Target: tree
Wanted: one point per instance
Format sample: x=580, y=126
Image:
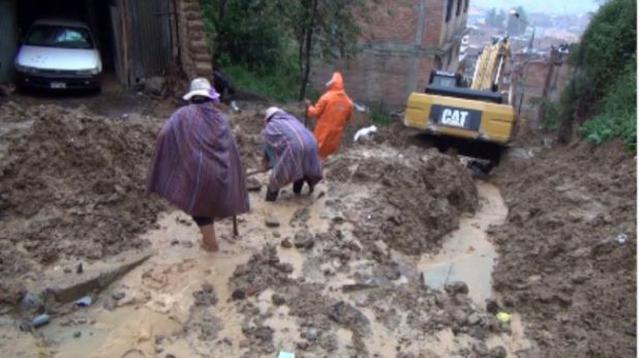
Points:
x=326, y=29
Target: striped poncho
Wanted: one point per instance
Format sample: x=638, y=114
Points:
x=196, y=165
x=292, y=151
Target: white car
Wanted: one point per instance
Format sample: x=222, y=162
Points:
x=58, y=54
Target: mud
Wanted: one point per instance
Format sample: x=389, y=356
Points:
x=418, y=198
x=560, y=263
x=72, y=186
x=340, y=272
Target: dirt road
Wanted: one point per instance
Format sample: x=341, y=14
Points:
x=371, y=264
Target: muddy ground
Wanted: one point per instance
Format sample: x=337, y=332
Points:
x=568, y=248
x=346, y=271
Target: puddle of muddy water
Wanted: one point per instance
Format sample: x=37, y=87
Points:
x=467, y=254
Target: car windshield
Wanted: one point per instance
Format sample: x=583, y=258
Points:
x=59, y=36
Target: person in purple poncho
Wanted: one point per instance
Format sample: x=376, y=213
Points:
x=196, y=165
x=291, y=152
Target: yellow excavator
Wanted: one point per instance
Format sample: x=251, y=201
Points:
x=475, y=114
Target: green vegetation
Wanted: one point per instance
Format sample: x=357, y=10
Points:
x=602, y=91
x=268, y=46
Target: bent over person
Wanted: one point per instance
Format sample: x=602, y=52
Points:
x=291, y=152
x=333, y=110
x=196, y=165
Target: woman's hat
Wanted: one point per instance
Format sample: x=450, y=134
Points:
x=201, y=87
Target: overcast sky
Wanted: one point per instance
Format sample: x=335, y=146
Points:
x=548, y=6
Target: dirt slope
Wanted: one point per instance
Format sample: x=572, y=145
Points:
x=560, y=263
x=72, y=184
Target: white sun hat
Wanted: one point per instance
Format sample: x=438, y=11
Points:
x=201, y=87
x=270, y=112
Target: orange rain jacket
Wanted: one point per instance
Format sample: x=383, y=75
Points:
x=333, y=110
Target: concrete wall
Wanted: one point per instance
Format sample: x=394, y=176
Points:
x=400, y=45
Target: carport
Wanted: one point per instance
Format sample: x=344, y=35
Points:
x=137, y=39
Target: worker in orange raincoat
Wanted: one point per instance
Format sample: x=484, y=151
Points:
x=333, y=110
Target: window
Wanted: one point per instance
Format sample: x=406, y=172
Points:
x=459, y=8
x=59, y=36
x=449, y=10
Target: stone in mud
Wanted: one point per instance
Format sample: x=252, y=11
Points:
x=498, y=352
x=312, y=334
x=357, y=287
x=347, y=315
x=272, y=222
x=238, y=294
x=284, y=267
x=473, y=319
x=459, y=317
x=206, y=296
x=77, y=334
x=454, y=288
x=492, y=306
x=278, y=300
x=303, y=240
x=286, y=243
x=117, y=296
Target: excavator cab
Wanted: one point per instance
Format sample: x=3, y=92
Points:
x=474, y=114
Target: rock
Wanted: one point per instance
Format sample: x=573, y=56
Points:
x=169, y=356
x=302, y=345
x=238, y=294
x=473, y=319
x=312, y=334
x=284, y=267
x=454, y=288
x=303, y=240
x=272, y=222
x=459, y=317
x=79, y=268
x=498, y=352
x=117, y=296
x=77, y=334
x=492, y=306
x=357, y=287
x=30, y=302
x=278, y=300
x=206, y=296
x=286, y=243
x=347, y=315
x=276, y=235
x=480, y=349
x=243, y=344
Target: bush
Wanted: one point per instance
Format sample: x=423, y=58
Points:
x=602, y=88
x=617, y=119
x=281, y=86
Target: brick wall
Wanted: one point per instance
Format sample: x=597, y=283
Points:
x=195, y=54
x=400, y=45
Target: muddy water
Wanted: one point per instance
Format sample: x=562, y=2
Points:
x=468, y=254
x=158, y=295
